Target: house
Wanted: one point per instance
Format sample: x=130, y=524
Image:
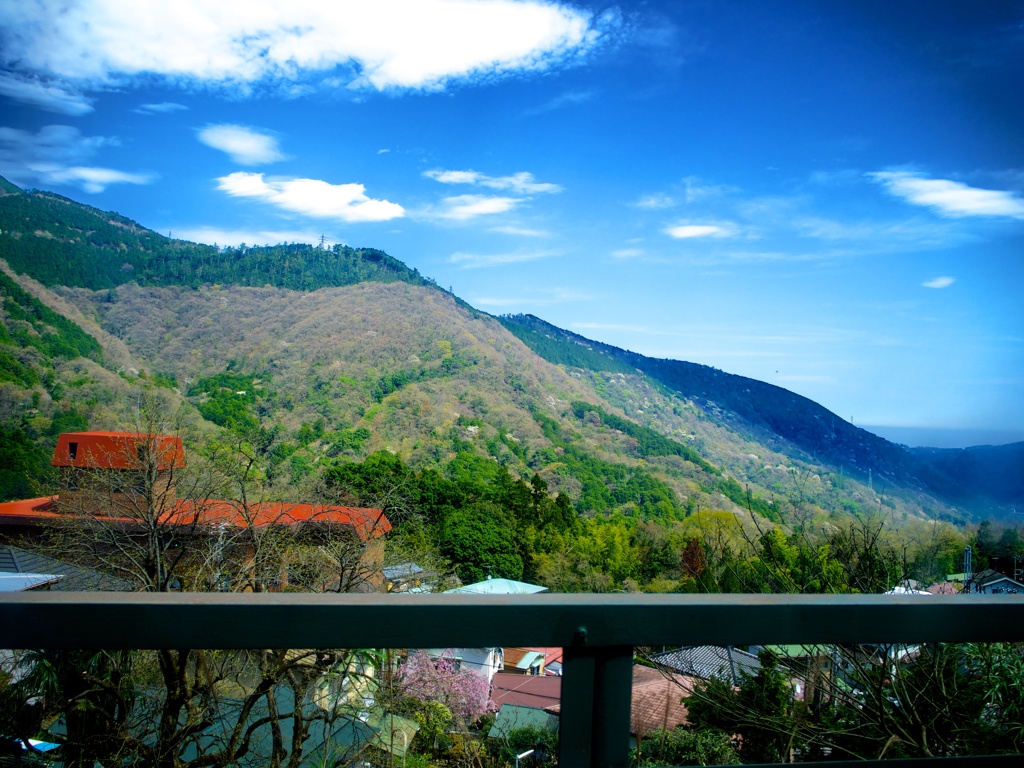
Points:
x=709, y=661
x=657, y=702
x=101, y=472
x=536, y=692
x=513, y=717
x=523, y=661
x=498, y=587
x=989, y=582
x=487, y=661
x=130, y=480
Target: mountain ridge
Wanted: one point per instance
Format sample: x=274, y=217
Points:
x=352, y=353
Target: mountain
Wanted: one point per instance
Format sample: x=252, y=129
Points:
x=340, y=353
x=60, y=242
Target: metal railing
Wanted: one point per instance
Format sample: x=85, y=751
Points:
x=598, y=633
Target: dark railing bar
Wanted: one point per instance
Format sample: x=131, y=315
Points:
x=194, y=620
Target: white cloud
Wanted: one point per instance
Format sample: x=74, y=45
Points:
x=91, y=179
x=164, y=107
x=47, y=96
x=939, y=282
x=58, y=155
x=521, y=183
x=464, y=207
x=520, y=231
x=656, y=201
x=478, y=260
x=628, y=253
x=950, y=198
x=312, y=197
x=383, y=45
x=216, y=236
x=243, y=145
x=688, y=231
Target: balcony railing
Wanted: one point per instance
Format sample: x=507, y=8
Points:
x=598, y=633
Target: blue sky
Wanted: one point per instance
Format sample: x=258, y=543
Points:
x=824, y=196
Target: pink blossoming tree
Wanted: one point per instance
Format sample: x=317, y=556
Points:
x=464, y=693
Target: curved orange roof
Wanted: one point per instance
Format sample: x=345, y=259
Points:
x=117, y=450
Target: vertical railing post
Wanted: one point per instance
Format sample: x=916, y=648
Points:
x=597, y=688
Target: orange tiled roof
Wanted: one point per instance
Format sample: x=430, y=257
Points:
x=27, y=510
x=367, y=523
x=116, y=450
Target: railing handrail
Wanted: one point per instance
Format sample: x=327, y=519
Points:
x=598, y=632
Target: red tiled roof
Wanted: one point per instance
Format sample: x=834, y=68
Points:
x=367, y=523
x=527, y=691
x=117, y=450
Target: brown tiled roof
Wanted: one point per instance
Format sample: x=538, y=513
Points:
x=657, y=699
x=117, y=450
x=534, y=691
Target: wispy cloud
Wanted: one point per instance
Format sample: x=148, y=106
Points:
x=521, y=183
x=59, y=155
x=387, y=44
x=162, y=108
x=688, y=231
x=939, y=282
x=217, y=236
x=465, y=207
x=90, y=179
x=479, y=260
x=245, y=146
x=544, y=298
x=656, y=201
x=312, y=197
x=520, y=231
x=628, y=253
x=49, y=96
x=950, y=198
x=567, y=99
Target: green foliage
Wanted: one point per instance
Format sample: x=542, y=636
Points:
x=479, y=540
x=606, y=485
x=736, y=493
x=33, y=324
x=752, y=712
x=229, y=401
x=60, y=242
x=392, y=382
x=561, y=349
x=649, y=442
x=25, y=470
x=679, y=746
x=518, y=740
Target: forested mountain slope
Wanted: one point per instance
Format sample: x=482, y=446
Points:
x=986, y=476
x=60, y=242
x=337, y=354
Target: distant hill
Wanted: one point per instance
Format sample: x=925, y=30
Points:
x=60, y=242
x=992, y=474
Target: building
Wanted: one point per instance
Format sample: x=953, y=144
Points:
x=126, y=484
